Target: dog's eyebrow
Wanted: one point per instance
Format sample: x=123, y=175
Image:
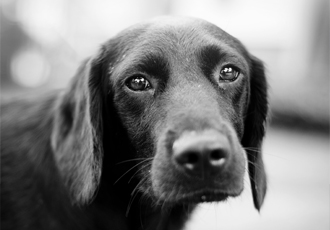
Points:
x=210, y=56
x=153, y=64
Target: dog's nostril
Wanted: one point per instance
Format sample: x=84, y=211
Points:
x=217, y=157
x=192, y=157
x=188, y=159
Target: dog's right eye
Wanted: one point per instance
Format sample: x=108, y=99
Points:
x=138, y=83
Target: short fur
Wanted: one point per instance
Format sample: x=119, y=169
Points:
x=98, y=155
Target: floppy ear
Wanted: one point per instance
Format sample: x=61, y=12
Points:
x=77, y=131
x=254, y=131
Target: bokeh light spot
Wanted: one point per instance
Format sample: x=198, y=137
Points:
x=29, y=68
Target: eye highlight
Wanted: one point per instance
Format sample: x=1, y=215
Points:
x=138, y=83
x=229, y=73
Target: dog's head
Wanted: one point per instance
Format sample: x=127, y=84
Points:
x=190, y=98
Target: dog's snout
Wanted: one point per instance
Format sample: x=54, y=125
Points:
x=202, y=154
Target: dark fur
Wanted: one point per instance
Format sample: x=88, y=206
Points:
x=74, y=159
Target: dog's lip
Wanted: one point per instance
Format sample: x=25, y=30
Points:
x=206, y=195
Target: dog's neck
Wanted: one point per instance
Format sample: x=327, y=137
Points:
x=112, y=210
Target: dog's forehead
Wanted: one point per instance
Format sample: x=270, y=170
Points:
x=180, y=33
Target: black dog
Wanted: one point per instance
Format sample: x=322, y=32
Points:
x=165, y=116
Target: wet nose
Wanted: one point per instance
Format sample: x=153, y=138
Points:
x=201, y=154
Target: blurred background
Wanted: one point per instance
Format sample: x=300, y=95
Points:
x=44, y=41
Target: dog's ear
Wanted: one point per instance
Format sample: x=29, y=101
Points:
x=77, y=130
x=254, y=131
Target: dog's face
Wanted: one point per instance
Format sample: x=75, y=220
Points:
x=185, y=96
x=182, y=92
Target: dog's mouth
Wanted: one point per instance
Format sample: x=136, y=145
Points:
x=201, y=197
x=205, y=195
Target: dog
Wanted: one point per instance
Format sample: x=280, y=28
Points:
x=168, y=114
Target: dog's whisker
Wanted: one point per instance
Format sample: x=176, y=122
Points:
x=255, y=165
x=250, y=147
x=130, y=203
x=259, y=151
x=133, y=167
x=135, y=159
x=139, y=170
x=133, y=195
x=253, y=149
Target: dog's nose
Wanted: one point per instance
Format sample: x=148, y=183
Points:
x=201, y=154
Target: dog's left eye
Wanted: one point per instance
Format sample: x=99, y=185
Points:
x=138, y=83
x=229, y=73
